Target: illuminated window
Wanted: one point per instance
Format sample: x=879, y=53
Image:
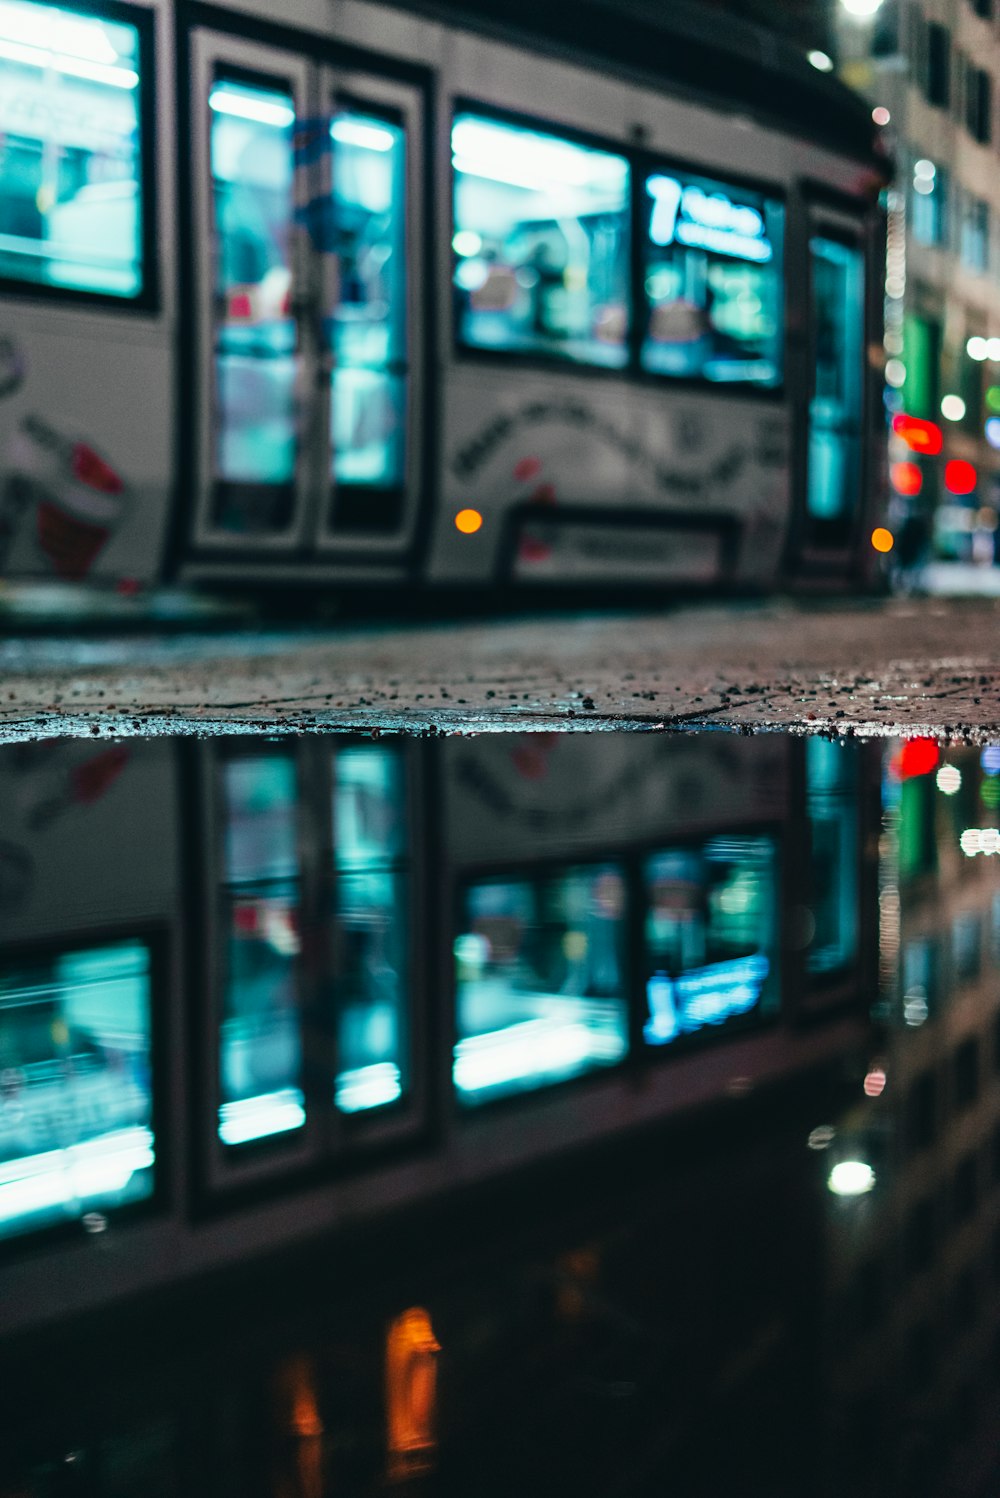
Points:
x=710, y=940
x=260, y=1058
x=369, y=317
x=540, y=981
x=256, y=342
x=541, y=244
x=370, y=987
x=835, y=412
x=974, y=247
x=76, y=1127
x=832, y=802
x=713, y=281
x=71, y=204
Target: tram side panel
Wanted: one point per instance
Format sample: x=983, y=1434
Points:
x=86, y=310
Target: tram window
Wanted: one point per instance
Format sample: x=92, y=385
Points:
x=369, y=316
x=832, y=804
x=713, y=281
x=540, y=981
x=835, y=415
x=541, y=244
x=260, y=1058
x=76, y=1126
x=256, y=361
x=71, y=199
x=370, y=853
x=710, y=936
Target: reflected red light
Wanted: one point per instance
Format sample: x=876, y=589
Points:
x=920, y=436
x=906, y=478
x=917, y=757
x=959, y=476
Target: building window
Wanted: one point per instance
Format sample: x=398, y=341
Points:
x=71, y=200
x=832, y=806
x=540, y=981
x=541, y=244
x=921, y=1236
x=713, y=281
x=966, y=1073
x=978, y=103
x=76, y=1115
x=983, y=8
x=937, y=79
x=965, y=1189
x=966, y=946
x=929, y=203
x=974, y=247
x=921, y=1112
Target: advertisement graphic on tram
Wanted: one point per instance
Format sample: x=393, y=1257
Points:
x=354, y=306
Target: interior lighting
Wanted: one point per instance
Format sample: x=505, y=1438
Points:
x=467, y=242
x=247, y=106
x=76, y=67
x=895, y=373
x=993, y=348
x=977, y=348
x=874, y=1083
x=468, y=522
x=924, y=169
x=923, y=185
x=882, y=539
x=861, y=9
x=69, y=34
x=851, y=1178
x=952, y=407
x=985, y=840
x=960, y=477
x=820, y=60
x=363, y=133
x=949, y=780
x=920, y=436
x=881, y=115
x=992, y=431
x=906, y=478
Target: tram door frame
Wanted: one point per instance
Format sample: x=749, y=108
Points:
x=330, y=1140
x=837, y=557
x=316, y=89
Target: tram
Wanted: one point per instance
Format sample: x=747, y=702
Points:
x=491, y=298
x=252, y=992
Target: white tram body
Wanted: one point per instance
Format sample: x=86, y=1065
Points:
x=367, y=294
x=252, y=992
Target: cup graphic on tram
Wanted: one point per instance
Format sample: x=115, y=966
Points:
x=62, y=500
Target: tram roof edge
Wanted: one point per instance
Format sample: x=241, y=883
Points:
x=720, y=57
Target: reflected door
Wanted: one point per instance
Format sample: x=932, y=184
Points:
x=836, y=408
x=253, y=292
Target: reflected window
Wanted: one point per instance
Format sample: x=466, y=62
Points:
x=71, y=202
x=76, y=1126
x=835, y=413
x=832, y=809
x=541, y=244
x=710, y=936
x=260, y=1055
x=966, y=946
x=369, y=317
x=372, y=884
x=539, y=981
x=256, y=360
x=713, y=280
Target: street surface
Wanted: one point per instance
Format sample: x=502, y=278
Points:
x=868, y=667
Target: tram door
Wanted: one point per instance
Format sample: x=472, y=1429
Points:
x=835, y=471
x=307, y=248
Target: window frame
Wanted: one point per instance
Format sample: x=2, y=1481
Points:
x=156, y=937
x=148, y=302
x=642, y=162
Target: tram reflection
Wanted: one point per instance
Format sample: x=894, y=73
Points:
x=646, y=1123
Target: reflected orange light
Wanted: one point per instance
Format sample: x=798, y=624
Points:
x=906, y=478
x=920, y=436
x=411, y=1393
x=960, y=477
x=882, y=540
x=468, y=522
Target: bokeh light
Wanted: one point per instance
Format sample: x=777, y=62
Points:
x=468, y=522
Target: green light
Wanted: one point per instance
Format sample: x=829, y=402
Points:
x=989, y=792
x=992, y=398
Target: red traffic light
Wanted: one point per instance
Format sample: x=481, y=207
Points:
x=920, y=436
x=960, y=477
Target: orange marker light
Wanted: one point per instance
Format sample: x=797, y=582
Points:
x=882, y=540
x=468, y=522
